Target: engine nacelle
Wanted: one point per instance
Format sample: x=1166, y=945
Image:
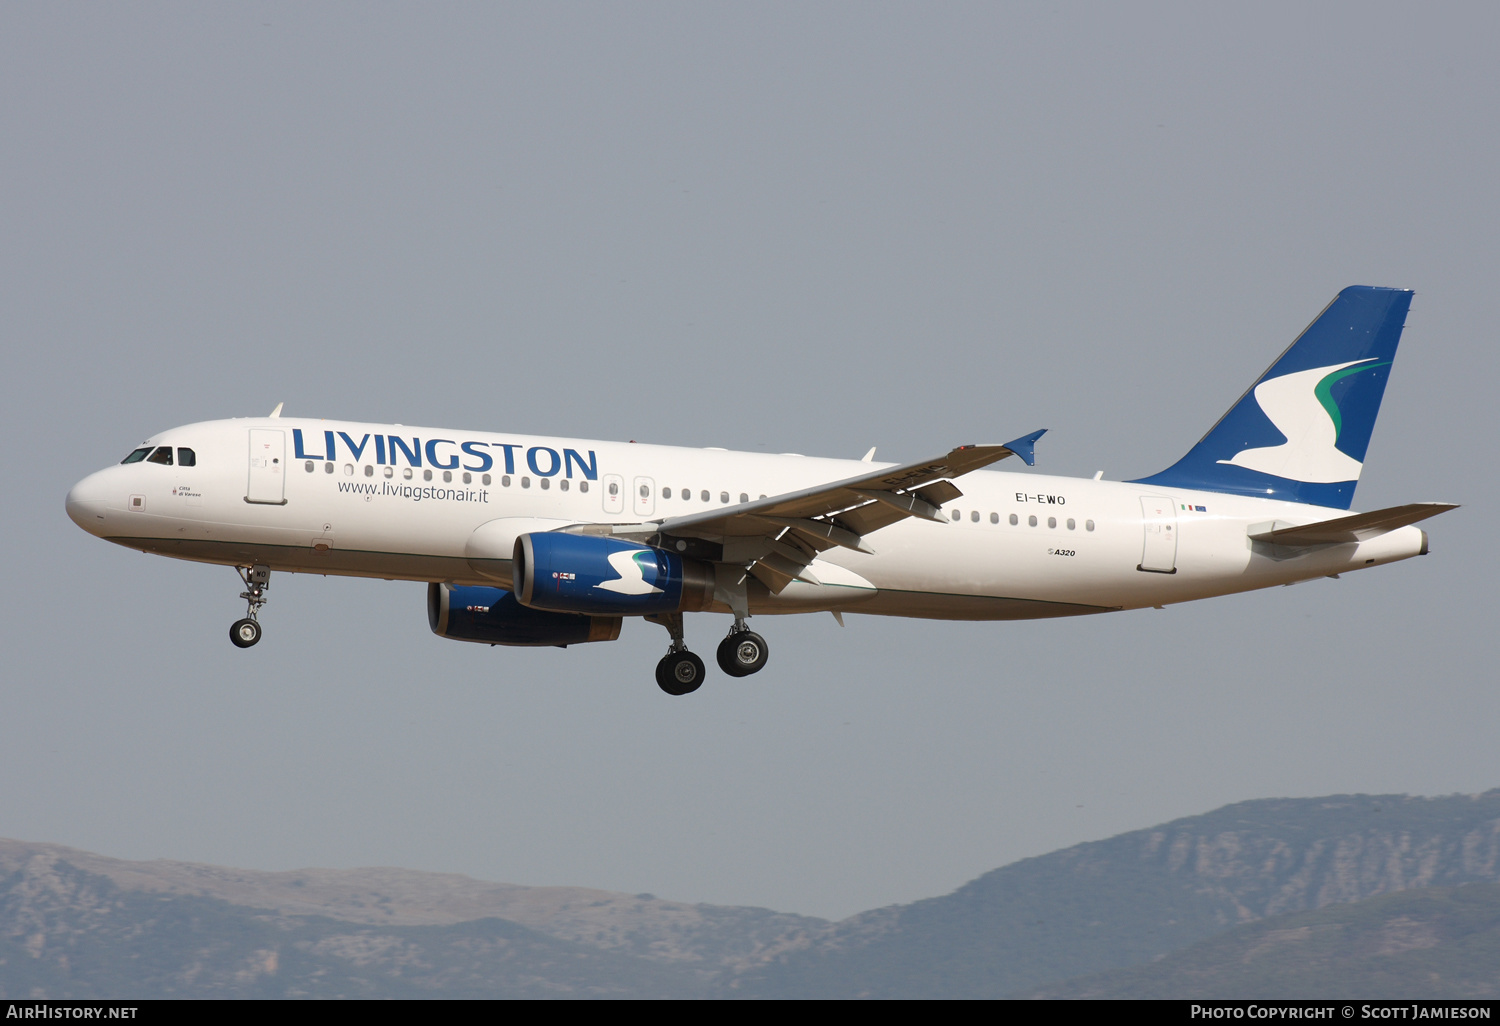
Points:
x=494, y=617
x=579, y=573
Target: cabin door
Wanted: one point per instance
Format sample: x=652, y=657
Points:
x=267, y=467
x=1159, y=554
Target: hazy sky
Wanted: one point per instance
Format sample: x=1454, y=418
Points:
x=806, y=227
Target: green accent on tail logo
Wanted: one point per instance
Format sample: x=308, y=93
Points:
x=1324, y=391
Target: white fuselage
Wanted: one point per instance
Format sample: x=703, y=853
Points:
x=447, y=506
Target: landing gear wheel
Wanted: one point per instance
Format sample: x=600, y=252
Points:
x=680, y=673
x=742, y=653
x=257, y=578
x=244, y=633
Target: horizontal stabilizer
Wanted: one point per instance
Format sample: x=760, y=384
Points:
x=1348, y=529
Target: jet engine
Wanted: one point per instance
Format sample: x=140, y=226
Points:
x=576, y=573
x=494, y=617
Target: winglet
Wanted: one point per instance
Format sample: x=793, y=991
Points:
x=1025, y=447
x=277, y=412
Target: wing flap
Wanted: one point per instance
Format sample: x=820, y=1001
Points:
x=870, y=517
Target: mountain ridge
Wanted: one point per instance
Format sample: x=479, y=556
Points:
x=1140, y=895
x=1088, y=909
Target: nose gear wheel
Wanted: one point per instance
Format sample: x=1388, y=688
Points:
x=244, y=633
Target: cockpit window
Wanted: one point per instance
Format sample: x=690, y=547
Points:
x=186, y=457
x=136, y=456
x=162, y=455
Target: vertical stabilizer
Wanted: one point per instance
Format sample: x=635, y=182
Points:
x=1301, y=431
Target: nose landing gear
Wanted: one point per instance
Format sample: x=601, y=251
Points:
x=246, y=632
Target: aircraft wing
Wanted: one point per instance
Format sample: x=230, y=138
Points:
x=776, y=537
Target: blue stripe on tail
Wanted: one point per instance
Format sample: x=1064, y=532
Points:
x=1301, y=431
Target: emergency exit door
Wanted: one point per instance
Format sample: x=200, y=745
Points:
x=645, y=497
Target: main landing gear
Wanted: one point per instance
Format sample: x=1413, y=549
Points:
x=246, y=632
x=742, y=652
x=680, y=672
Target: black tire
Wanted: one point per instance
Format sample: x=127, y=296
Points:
x=244, y=633
x=742, y=654
x=680, y=673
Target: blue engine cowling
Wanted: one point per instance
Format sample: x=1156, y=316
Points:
x=577, y=573
x=494, y=617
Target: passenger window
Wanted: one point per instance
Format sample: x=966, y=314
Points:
x=485, y=479
x=994, y=518
x=369, y=470
x=1088, y=525
x=614, y=489
x=583, y=486
x=646, y=492
x=1031, y=521
x=686, y=494
x=1072, y=523
x=309, y=466
x=724, y=498
x=447, y=477
x=957, y=514
x=563, y=484
x=1014, y=520
x=525, y=482
x=703, y=495
x=390, y=472
x=406, y=474
x=328, y=469
x=1051, y=521
x=426, y=475
x=666, y=493
x=136, y=456
x=186, y=457
x=348, y=470
x=468, y=478
x=162, y=455
x=744, y=497
x=546, y=483
x=974, y=516
x=505, y=481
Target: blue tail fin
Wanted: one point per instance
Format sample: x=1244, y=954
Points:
x=1301, y=431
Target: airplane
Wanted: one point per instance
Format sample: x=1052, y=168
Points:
x=537, y=540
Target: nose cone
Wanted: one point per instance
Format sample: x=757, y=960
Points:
x=85, y=503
